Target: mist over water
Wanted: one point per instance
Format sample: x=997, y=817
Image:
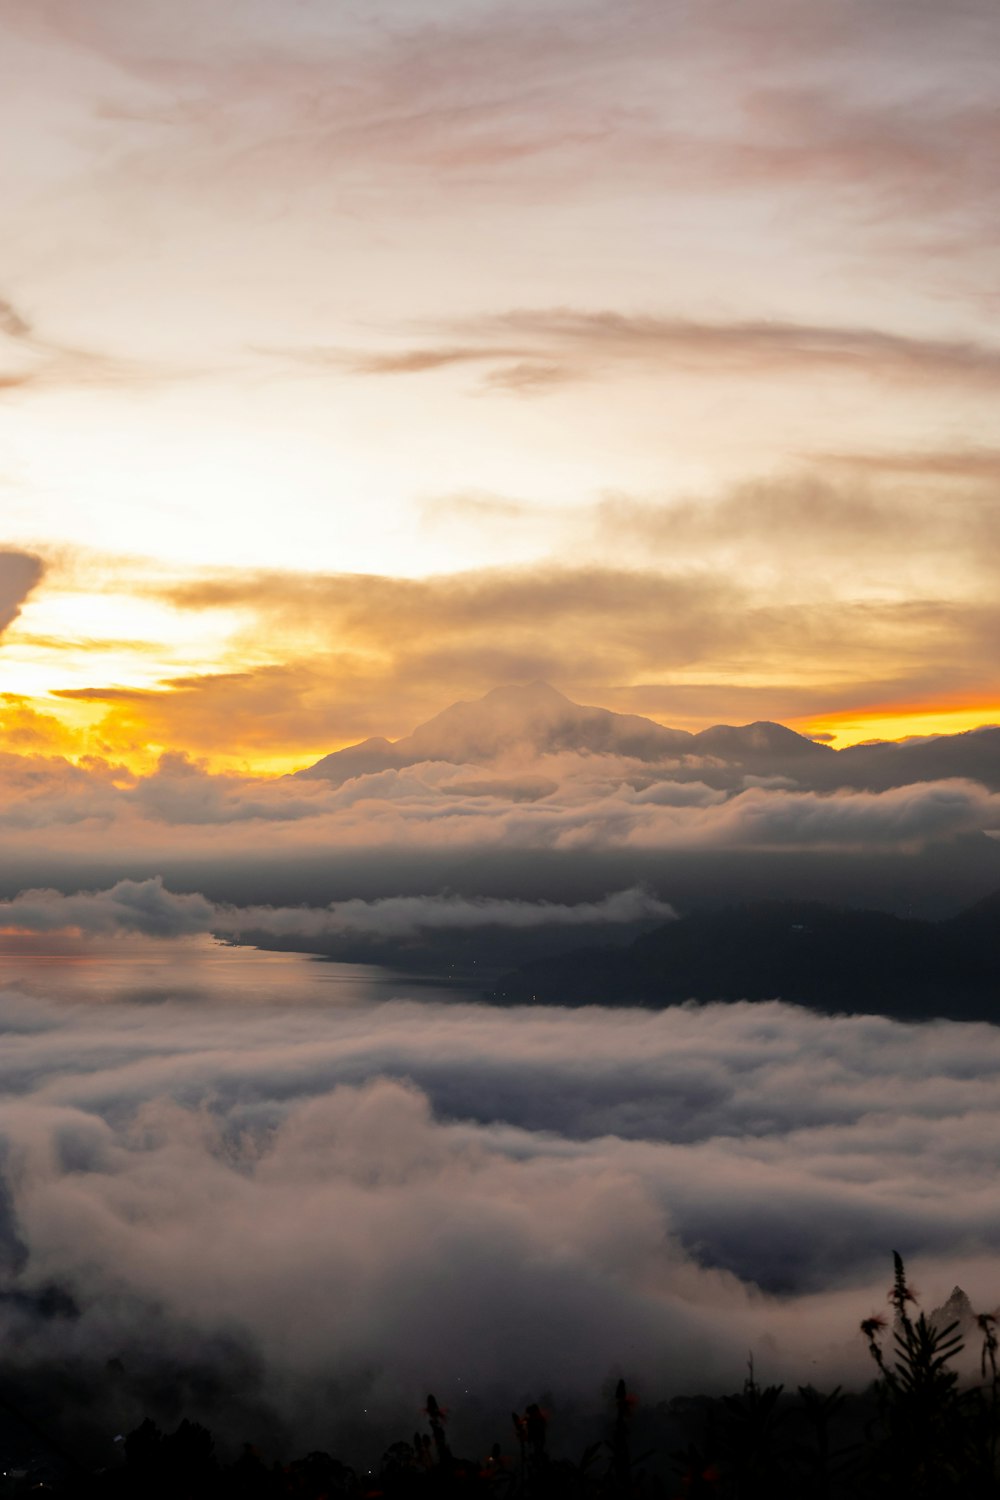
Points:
x=334, y=1190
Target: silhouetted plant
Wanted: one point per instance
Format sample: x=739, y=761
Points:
x=987, y=1324
x=826, y=1468
x=531, y=1434
x=699, y=1476
x=437, y=1416
x=921, y=1439
x=621, y=1463
x=752, y=1450
x=249, y=1478
x=142, y=1451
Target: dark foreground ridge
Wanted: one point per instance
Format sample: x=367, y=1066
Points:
x=918, y=1432
x=828, y=958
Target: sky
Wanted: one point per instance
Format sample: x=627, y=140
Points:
x=355, y=359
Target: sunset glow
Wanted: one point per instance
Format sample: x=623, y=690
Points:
x=499, y=748
x=901, y=723
x=475, y=324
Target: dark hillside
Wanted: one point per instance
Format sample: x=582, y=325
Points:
x=830, y=958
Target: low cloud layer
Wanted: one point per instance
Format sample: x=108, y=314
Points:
x=587, y=804
x=146, y=907
x=404, y=1196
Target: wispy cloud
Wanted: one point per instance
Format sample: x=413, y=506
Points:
x=475, y=94
x=42, y=363
x=565, y=343
x=978, y=464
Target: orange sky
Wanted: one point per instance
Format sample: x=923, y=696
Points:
x=352, y=362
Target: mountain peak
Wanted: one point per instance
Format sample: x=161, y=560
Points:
x=958, y=1309
x=762, y=738
x=532, y=716
x=511, y=703
x=537, y=691
x=522, y=721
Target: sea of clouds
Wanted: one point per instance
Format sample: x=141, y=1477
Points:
x=334, y=1208
x=565, y=801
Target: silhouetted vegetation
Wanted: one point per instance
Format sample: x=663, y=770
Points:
x=917, y=1433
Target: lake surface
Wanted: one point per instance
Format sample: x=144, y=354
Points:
x=144, y=970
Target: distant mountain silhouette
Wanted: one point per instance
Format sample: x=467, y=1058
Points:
x=536, y=719
x=829, y=958
x=957, y=1309
x=365, y=759
x=541, y=720
x=980, y=922
x=763, y=741
x=974, y=756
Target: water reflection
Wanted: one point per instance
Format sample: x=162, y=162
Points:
x=196, y=969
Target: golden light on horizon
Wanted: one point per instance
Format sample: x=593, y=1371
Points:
x=492, y=396
x=899, y=723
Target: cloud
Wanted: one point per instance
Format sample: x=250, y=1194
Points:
x=563, y=343
x=146, y=907
x=417, y=361
x=530, y=375
x=977, y=465
x=513, y=95
x=358, y=643
x=180, y=792
x=11, y=322
x=460, y=122
x=129, y=906
x=403, y=916
x=377, y=607
x=382, y=1199
x=739, y=606
x=26, y=730
x=683, y=608
x=476, y=509
x=20, y=573
x=44, y=363
x=588, y=805
x=795, y=513
x=527, y=372
x=903, y=817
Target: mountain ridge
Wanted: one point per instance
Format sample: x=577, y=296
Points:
x=537, y=718
x=534, y=719
x=829, y=958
